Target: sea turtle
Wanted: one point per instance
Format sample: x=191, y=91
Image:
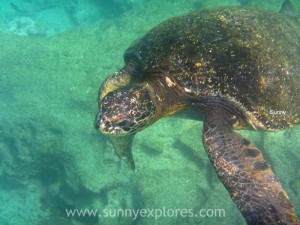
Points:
x=238, y=67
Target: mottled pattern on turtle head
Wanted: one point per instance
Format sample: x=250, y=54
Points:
x=125, y=111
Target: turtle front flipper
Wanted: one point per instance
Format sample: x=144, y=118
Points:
x=246, y=175
x=122, y=146
x=127, y=75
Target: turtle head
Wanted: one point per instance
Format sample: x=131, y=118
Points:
x=125, y=111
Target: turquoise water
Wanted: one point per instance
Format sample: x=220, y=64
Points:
x=54, y=55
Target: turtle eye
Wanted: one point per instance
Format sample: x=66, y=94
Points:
x=122, y=123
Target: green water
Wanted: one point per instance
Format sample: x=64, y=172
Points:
x=52, y=158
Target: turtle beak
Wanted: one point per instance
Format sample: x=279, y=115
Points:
x=98, y=122
x=107, y=126
x=100, y=125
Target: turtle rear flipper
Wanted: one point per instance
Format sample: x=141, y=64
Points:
x=246, y=175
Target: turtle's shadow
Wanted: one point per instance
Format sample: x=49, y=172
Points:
x=202, y=164
x=151, y=151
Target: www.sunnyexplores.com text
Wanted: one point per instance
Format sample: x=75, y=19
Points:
x=145, y=212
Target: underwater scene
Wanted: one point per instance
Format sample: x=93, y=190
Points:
x=57, y=169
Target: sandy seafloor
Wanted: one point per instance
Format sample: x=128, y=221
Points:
x=51, y=157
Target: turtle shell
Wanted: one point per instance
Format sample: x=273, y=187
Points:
x=249, y=57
